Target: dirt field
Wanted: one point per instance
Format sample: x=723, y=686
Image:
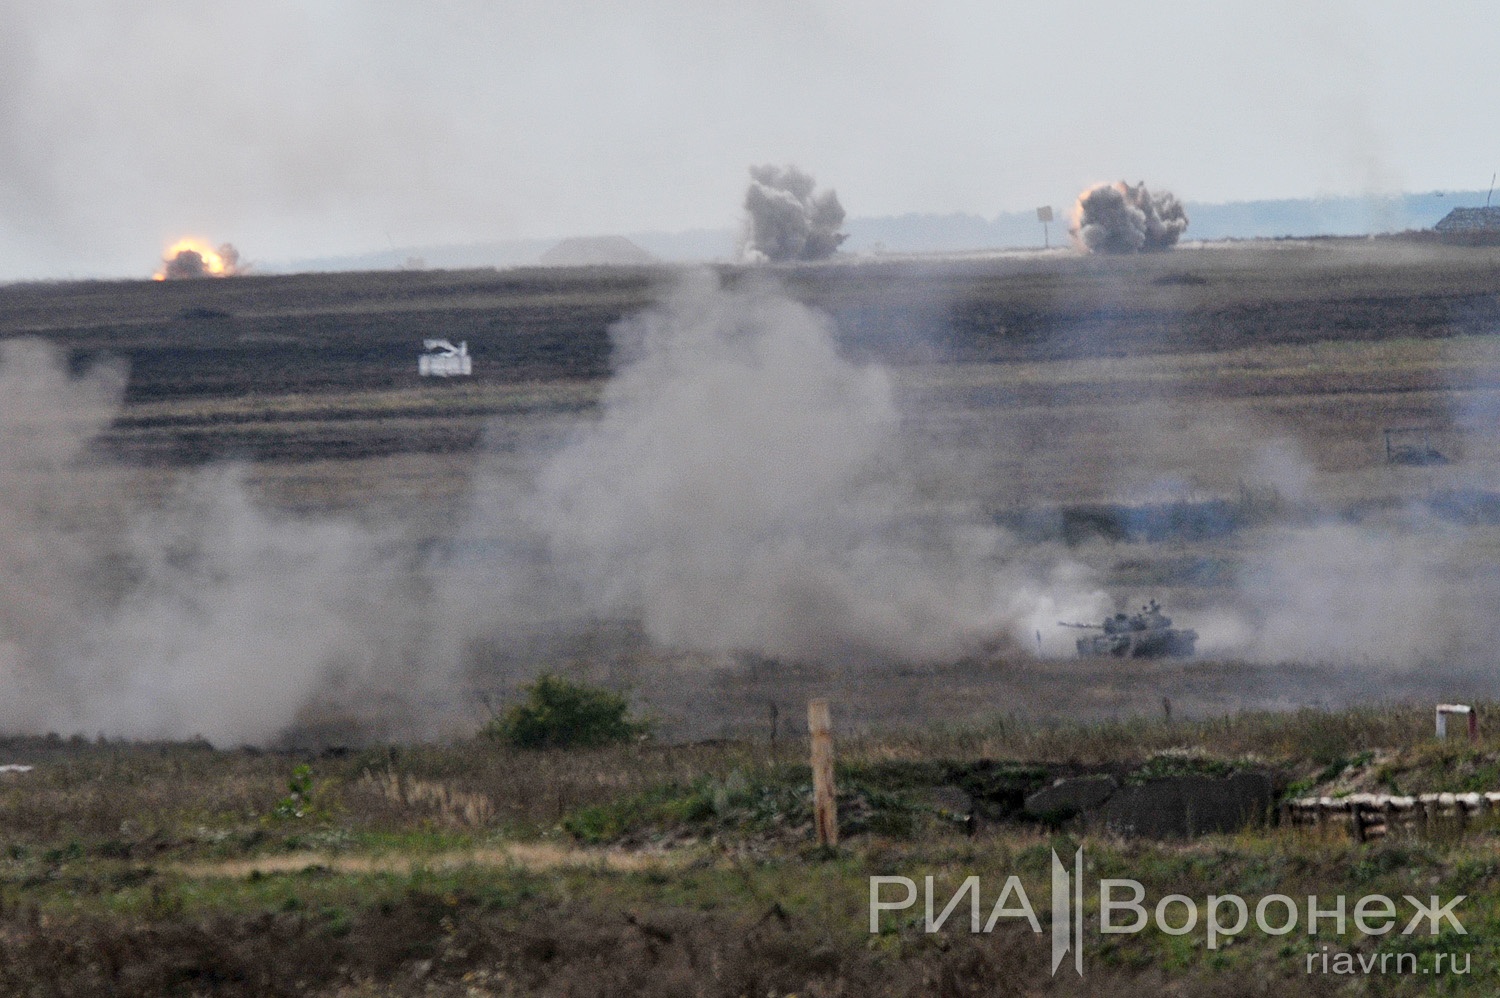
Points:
x=1122, y=410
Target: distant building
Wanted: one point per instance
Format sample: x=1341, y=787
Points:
x=1470, y=220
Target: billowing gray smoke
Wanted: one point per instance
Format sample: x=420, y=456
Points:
x=1317, y=566
x=746, y=488
x=787, y=220
x=742, y=487
x=1119, y=218
x=1396, y=589
x=208, y=616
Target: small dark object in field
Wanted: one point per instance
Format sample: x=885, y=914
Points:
x=777, y=912
x=1188, y=279
x=200, y=312
x=648, y=930
x=1417, y=456
x=1402, y=447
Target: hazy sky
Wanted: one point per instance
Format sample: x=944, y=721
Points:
x=304, y=129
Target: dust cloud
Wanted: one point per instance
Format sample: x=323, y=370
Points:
x=1119, y=218
x=1388, y=586
x=1407, y=582
x=1381, y=594
x=742, y=488
x=786, y=220
x=209, y=616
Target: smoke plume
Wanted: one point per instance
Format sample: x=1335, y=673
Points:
x=1407, y=583
x=746, y=488
x=786, y=220
x=742, y=488
x=1119, y=218
x=1385, y=585
x=1387, y=594
x=207, y=616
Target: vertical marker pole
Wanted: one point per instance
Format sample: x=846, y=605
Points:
x=825, y=809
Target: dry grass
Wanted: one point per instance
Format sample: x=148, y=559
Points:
x=391, y=886
x=435, y=801
x=184, y=799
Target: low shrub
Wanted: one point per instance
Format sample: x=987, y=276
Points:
x=559, y=713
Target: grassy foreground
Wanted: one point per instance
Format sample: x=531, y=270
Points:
x=471, y=869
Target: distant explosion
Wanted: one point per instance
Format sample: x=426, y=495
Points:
x=1119, y=218
x=787, y=221
x=192, y=258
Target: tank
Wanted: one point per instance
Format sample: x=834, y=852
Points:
x=1147, y=634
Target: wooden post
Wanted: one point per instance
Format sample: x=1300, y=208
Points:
x=825, y=808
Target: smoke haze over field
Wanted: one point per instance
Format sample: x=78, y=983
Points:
x=208, y=616
x=1119, y=218
x=1392, y=589
x=742, y=489
x=787, y=220
x=743, y=486
x=1375, y=585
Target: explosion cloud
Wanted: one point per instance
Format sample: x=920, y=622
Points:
x=746, y=488
x=190, y=258
x=743, y=488
x=787, y=221
x=1119, y=218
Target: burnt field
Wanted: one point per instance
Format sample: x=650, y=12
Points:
x=1203, y=427
x=304, y=366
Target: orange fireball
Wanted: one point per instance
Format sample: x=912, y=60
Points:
x=195, y=258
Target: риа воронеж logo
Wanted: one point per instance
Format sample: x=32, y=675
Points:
x=1122, y=911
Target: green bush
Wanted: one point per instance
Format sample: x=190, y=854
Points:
x=298, y=802
x=559, y=713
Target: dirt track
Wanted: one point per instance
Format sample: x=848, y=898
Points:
x=527, y=856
